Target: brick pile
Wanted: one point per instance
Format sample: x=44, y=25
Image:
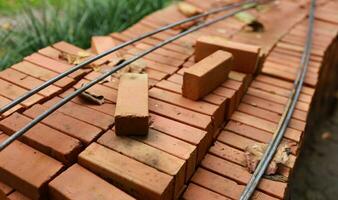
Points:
x=194, y=149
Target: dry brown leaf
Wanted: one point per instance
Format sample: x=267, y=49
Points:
x=254, y=154
x=188, y=10
x=92, y=97
x=75, y=59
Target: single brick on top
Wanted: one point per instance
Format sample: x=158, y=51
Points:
x=206, y=75
x=246, y=57
x=132, y=112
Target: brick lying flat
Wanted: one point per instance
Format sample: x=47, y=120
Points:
x=241, y=175
x=27, y=170
x=131, y=176
x=83, y=113
x=41, y=73
x=12, y=92
x=78, y=183
x=4, y=101
x=43, y=138
x=148, y=155
x=5, y=189
x=100, y=44
x=17, y=196
x=189, y=134
x=206, y=75
x=80, y=130
x=197, y=192
x=132, y=114
x=245, y=56
x=222, y=185
x=27, y=82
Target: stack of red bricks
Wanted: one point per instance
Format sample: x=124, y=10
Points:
x=75, y=154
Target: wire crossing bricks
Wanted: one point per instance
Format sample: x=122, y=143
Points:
x=206, y=75
x=246, y=56
x=132, y=113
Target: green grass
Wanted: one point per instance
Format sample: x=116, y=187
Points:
x=74, y=21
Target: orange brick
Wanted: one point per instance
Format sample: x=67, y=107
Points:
x=132, y=105
x=55, y=144
x=182, y=115
x=11, y=91
x=5, y=189
x=194, y=192
x=215, y=112
x=223, y=185
x=245, y=56
x=41, y=73
x=48, y=63
x=83, y=113
x=148, y=155
x=50, y=52
x=241, y=175
x=4, y=101
x=27, y=82
x=206, y=75
x=100, y=44
x=132, y=176
x=82, y=131
x=17, y=196
x=189, y=134
x=174, y=147
x=78, y=183
x=67, y=48
x=265, y=125
x=26, y=169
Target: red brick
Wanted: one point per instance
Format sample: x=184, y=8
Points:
x=78, y=183
x=41, y=73
x=27, y=82
x=206, y=75
x=132, y=105
x=163, y=52
x=5, y=189
x=265, y=125
x=107, y=108
x=182, y=115
x=131, y=176
x=277, y=99
x=100, y=44
x=270, y=116
x=108, y=93
x=274, y=107
x=27, y=170
x=17, y=196
x=83, y=113
x=194, y=192
x=216, y=113
x=230, y=94
x=223, y=186
x=4, y=101
x=48, y=63
x=55, y=144
x=183, y=132
x=148, y=155
x=50, y=52
x=67, y=48
x=82, y=131
x=174, y=147
x=245, y=56
x=12, y=92
x=241, y=175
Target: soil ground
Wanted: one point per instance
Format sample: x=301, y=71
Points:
x=316, y=173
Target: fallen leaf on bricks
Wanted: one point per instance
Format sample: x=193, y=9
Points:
x=75, y=59
x=138, y=66
x=326, y=136
x=188, y=10
x=92, y=97
x=254, y=154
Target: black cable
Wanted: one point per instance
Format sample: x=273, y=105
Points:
x=287, y=115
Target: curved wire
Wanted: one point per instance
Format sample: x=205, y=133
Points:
x=120, y=46
x=39, y=118
x=287, y=114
